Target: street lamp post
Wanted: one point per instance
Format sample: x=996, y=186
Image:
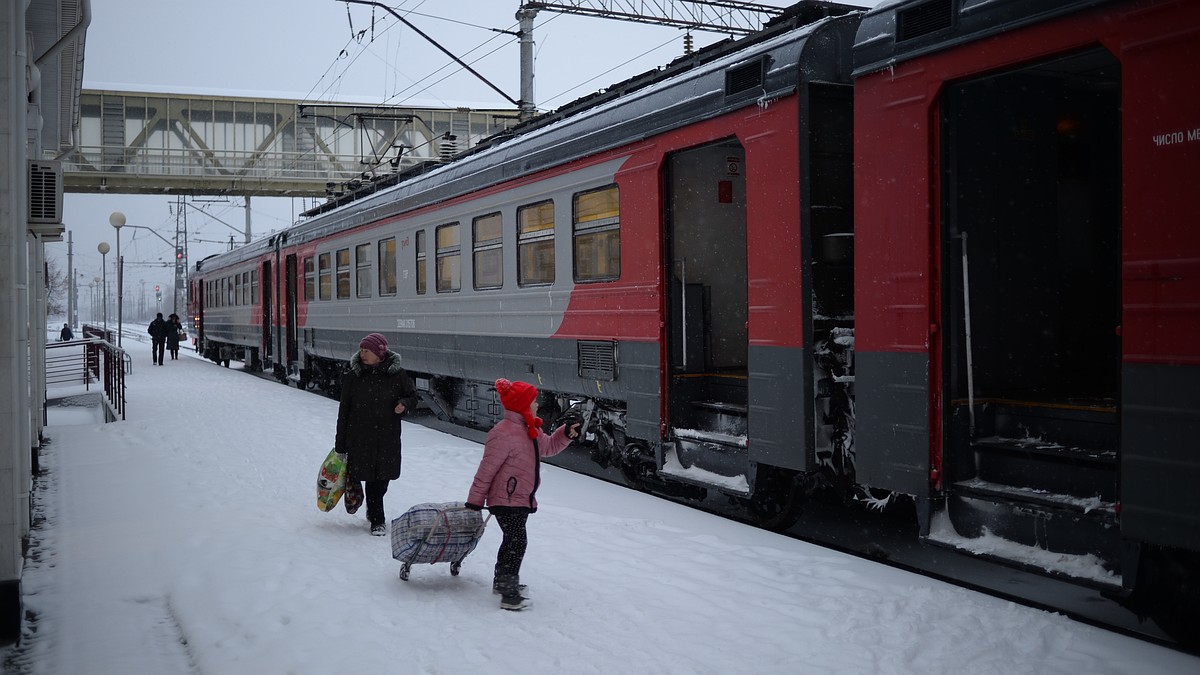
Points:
x=95, y=292
x=103, y=249
x=117, y=220
x=92, y=294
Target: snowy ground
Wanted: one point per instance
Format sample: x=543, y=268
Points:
x=187, y=540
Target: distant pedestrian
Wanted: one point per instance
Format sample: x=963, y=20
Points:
x=158, y=338
x=174, y=335
x=509, y=475
x=65, y=334
x=376, y=391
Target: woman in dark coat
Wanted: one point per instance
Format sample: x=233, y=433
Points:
x=375, y=393
x=173, y=328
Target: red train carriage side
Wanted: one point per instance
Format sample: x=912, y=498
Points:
x=1028, y=339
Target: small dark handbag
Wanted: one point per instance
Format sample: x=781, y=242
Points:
x=353, y=497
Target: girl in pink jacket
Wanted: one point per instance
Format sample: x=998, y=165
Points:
x=509, y=475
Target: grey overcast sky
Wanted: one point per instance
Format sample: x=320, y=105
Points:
x=325, y=50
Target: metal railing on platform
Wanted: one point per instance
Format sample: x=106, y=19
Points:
x=91, y=361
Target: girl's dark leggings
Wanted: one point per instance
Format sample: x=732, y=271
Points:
x=512, y=548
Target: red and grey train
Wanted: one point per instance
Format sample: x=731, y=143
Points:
x=943, y=249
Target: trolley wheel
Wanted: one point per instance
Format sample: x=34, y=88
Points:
x=455, y=567
x=404, y=572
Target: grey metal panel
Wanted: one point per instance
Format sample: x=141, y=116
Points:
x=640, y=367
x=780, y=406
x=892, y=421
x=1160, y=454
x=549, y=363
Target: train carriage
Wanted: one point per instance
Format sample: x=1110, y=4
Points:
x=934, y=254
x=640, y=259
x=1027, y=335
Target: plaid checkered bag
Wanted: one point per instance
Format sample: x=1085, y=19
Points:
x=434, y=533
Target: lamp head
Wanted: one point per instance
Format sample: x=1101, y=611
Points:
x=116, y=219
x=103, y=248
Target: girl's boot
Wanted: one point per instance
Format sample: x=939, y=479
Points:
x=510, y=593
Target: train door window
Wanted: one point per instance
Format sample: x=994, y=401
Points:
x=362, y=271
x=387, y=266
x=420, y=262
x=310, y=280
x=488, y=270
x=597, y=232
x=535, y=244
x=325, y=275
x=449, y=264
x=254, y=287
x=343, y=273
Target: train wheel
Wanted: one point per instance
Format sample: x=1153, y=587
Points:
x=778, y=499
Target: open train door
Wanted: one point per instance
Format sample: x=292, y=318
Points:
x=706, y=388
x=268, y=301
x=290, y=291
x=1030, y=187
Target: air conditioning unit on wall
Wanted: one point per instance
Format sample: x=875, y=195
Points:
x=45, y=197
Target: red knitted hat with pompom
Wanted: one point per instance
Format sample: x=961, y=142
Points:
x=517, y=396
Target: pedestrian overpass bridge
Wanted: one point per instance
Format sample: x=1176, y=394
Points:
x=144, y=143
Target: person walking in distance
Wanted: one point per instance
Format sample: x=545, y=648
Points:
x=65, y=335
x=158, y=338
x=376, y=392
x=174, y=330
x=509, y=475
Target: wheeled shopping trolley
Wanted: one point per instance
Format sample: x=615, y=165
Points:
x=436, y=533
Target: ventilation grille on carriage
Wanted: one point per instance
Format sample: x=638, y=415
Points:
x=744, y=77
x=923, y=19
x=598, y=360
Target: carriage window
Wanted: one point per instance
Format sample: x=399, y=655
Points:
x=420, y=262
x=325, y=275
x=245, y=288
x=535, y=244
x=310, y=279
x=362, y=271
x=343, y=273
x=488, y=270
x=387, y=266
x=231, y=291
x=254, y=287
x=449, y=266
x=597, y=229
